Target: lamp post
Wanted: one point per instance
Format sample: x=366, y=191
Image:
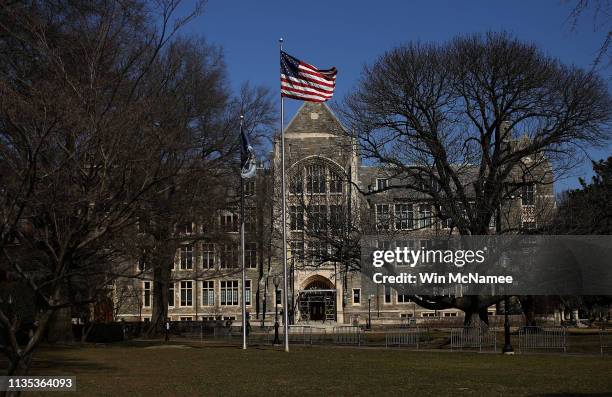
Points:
x=276, y=325
x=370, y=312
x=507, y=349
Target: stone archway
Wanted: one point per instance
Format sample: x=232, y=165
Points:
x=317, y=299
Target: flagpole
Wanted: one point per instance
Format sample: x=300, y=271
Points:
x=284, y=219
x=244, y=320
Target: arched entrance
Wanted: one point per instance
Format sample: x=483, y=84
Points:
x=317, y=300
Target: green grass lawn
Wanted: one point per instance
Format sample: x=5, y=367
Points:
x=154, y=369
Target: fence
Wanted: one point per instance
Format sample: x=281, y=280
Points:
x=347, y=335
x=605, y=341
x=405, y=337
x=542, y=338
x=472, y=338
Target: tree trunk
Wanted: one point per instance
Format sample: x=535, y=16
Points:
x=60, y=327
x=528, y=305
x=159, y=314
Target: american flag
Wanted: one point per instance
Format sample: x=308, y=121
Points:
x=300, y=80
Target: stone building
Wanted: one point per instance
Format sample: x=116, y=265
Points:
x=326, y=215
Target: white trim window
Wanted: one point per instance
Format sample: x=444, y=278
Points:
x=228, y=257
x=186, y=255
x=404, y=217
x=315, y=179
x=229, y=293
x=403, y=298
x=247, y=290
x=186, y=292
x=388, y=294
x=382, y=183
x=383, y=217
x=335, y=183
x=250, y=255
x=208, y=293
x=296, y=218
x=146, y=294
x=171, y=295
x=228, y=221
x=208, y=255
x=317, y=217
x=425, y=216
x=356, y=296
x=528, y=195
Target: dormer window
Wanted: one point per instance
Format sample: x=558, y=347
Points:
x=382, y=183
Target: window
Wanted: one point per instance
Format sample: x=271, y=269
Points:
x=208, y=255
x=317, y=217
x=529, y=225
x=171, y=295
x=425, y=217
x=228, y=257
x=528, y=195
x=388, y=294
x=428, y=314
x=403, y=298
x=382, y=216
x=404, y=217
x=297, y=251
x=335, y=183
x=250, y=255
x=451, y=314
x=229, y=293
x=229, y=221
x=335, y=217
x=382, y=183
x=186, y=293
x=185, y=228
x=315, y=179
x=187, y=318
x=249, y=188
x=406, y=315
x=356, y=296
x=296, y=217
x=250, y=219
x=247, y=291
x=146, y=289
x=187, y=257
x=208, y=293
x=317, y=251
x=296, y=184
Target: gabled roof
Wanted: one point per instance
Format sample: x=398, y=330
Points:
x=313, y=117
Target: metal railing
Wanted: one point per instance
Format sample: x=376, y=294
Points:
x=531, y=338
x=472, y=338
x=405, y=337
x=605, y=341
x=347, y=335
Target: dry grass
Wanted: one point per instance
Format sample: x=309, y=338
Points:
x=152, y=369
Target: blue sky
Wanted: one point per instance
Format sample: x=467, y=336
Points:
x=348, y=34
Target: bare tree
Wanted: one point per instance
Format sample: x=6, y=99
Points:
x=602, y=17
x=79, y=116
x=469, y=123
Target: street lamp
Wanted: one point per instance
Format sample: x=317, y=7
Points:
x=507, y=349
x=276, y=325
x=370, y=312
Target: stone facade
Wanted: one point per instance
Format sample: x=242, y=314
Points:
x=324, y=177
